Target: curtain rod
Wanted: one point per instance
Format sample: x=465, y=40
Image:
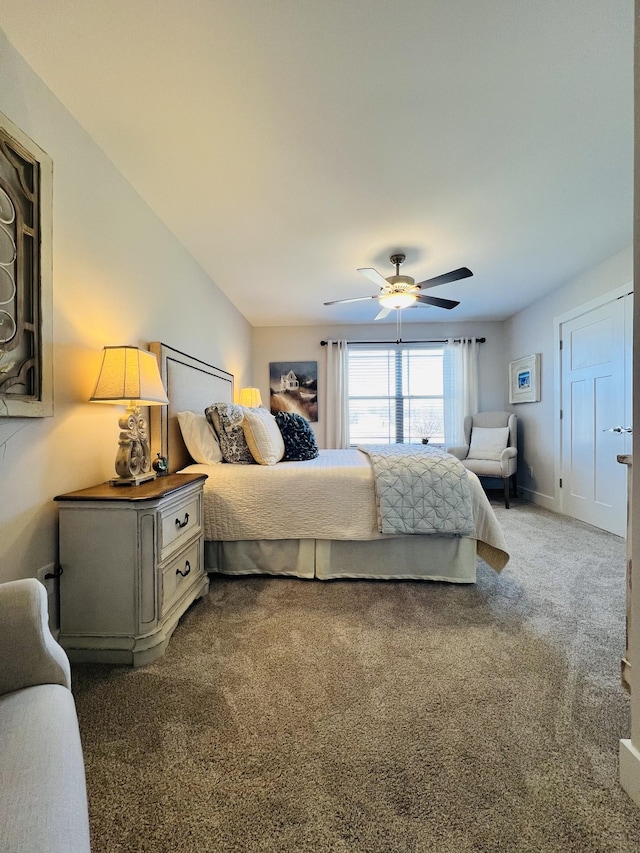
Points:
x=400, y=341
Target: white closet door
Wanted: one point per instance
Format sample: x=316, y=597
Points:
x=596, y=398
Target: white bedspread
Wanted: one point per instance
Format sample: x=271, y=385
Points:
x=330, y=497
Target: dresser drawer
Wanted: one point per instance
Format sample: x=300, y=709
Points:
x=179, y=574
x=179, y=522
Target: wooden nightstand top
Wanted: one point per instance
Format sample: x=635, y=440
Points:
x=151, y=490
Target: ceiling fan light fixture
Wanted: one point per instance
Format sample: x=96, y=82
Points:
x=401, y=282
x=397, y=300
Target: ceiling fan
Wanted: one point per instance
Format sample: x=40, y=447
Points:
x=401, y=291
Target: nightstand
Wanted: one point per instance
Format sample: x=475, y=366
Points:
x=132, y=560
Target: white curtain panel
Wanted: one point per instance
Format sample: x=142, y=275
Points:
x=460, y=387
x=337, y=405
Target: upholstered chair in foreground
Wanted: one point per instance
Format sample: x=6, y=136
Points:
x=491, y=448
x=43, y=797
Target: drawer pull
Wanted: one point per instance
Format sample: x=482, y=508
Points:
x=181, y=524
x=187, y=567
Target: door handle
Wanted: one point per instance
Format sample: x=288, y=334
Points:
x=618, y=429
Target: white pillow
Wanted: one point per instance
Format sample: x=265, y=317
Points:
x=200, y=438
x=488, y=442
x=263, y=436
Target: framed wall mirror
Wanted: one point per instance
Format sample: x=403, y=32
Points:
x=26, y=358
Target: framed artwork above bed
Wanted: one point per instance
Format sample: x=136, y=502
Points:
x=293, y=387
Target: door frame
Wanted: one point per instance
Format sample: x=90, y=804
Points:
x=578, y=311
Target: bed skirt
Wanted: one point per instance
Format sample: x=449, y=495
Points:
x=450, y=559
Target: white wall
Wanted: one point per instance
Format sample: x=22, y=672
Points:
x=303, y=344
x=119, y=277
x=532, y=330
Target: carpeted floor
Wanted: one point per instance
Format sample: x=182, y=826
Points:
x=378, y=717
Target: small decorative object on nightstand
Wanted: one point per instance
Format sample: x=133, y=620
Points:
x=130, y=377
x=160, y=466
x=132, y=562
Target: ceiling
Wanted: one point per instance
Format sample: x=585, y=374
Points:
x=287, y=142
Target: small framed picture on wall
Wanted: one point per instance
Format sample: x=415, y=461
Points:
x=524, y=379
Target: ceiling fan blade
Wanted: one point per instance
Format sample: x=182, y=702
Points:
x=438, y=303
x=374, y=276
x=384, y=312
x=445, y=278
x=355, y=299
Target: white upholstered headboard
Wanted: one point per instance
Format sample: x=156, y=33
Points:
x=191, y=385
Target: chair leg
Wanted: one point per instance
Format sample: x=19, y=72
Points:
x=506, y=482
x=514, y=477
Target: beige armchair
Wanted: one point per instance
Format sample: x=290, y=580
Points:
x=491, y=448
x=43, y=795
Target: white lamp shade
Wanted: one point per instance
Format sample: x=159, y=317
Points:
x=250, y=397
x=129, y=374
x=398, y=300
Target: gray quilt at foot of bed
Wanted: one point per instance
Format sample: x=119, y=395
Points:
x=420, y=490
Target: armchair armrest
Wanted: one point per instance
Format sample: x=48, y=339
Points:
x=506, y=457
x=28, y=653
x=462, y=451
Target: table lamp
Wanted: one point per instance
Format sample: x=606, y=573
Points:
x=250, y=397
x=130, y=377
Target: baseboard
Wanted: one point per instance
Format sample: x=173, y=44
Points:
x=630, y=770
x=546, y=501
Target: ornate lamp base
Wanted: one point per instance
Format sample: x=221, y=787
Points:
x=133, y=461
x=131, y=481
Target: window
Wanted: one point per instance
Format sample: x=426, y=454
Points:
x=396, y=393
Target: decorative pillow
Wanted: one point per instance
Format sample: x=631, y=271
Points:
x=199, y=437
x=226, y=419
x=488, y=442
x=298, y=437
x=263, y=436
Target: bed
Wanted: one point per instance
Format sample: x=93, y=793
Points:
x=313, y=519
